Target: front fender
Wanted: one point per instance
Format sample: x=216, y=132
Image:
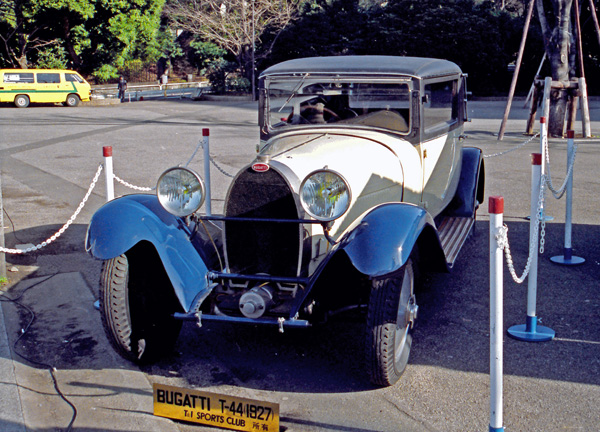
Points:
x=384, y=238
x=124, y=222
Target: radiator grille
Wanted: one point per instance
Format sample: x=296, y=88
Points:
x=262, y=247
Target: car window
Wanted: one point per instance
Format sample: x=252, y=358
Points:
x=18, y=77
x=71, y=77
x=440, y=104
x=299, y=101
x=48, y=78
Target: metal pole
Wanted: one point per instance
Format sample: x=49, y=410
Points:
x=108, y=173
x=2, y=244
x=531, y=331
x=567, y=258
x=205, y=147
x=513, y=84
x=496, y=210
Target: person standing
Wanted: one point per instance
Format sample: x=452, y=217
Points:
x=122, y=86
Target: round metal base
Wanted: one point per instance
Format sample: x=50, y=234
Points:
x=561, y=259
x=495, y=429
x=538, y=334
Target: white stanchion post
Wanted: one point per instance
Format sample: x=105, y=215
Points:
x=567, y=258
x=108, y=173
x=496, y=210
x=530, y=331
x=205, y=146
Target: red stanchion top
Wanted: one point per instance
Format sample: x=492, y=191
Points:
x=205, y=132
x=542, y=119
x=107, y=151
x=496, y=205
x=570, y=134
x=536, y=158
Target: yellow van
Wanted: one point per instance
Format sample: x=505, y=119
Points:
x=24, y=86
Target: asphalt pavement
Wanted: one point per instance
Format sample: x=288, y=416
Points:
x=58, y=371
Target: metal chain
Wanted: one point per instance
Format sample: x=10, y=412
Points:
x=502, y=239
x=221, y=170
x=514, y=148
x=558, y=194
x=129, y=185
x=64, y=227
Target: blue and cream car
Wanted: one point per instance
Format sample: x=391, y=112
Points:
x=360, y=176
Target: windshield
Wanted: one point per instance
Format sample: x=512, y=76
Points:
x=306, y=100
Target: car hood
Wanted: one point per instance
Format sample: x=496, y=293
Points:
x=373, y=169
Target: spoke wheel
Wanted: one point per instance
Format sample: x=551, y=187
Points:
x=391, y=314
x=136, y=306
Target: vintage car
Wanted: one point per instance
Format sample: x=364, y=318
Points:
x=360, y=177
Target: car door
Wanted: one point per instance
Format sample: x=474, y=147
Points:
x=439, y=149
x=48, y=88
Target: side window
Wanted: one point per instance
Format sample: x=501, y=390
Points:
x=26, y=78
x=48, y=78
x=69, y=77
x=440, y=104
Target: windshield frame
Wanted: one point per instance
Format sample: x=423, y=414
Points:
x=336, y=85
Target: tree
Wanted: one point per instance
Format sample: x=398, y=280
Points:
x=235, y=25
x=555, y=21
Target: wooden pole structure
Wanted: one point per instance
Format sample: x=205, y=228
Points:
x=513, y=84
x=585, y=109
x=595, y=19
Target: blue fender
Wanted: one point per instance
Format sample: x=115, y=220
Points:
x=469, y=193
x=124, y=222
x=384, y=238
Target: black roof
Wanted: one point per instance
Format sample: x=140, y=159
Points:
x=377, y=65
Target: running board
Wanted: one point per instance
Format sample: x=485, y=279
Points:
x=453, y=232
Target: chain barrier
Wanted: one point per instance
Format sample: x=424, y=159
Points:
x=221, y=170
x=558, y=193
x=129, y=185
x=502, y=239
x=65, y=226
x=518, y=146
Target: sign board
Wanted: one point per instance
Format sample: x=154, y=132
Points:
x=215, y=410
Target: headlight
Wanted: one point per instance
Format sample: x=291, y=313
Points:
x=180, y=191
x=325, y=195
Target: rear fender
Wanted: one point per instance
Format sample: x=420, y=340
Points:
x=382, y=242
x=124, y=222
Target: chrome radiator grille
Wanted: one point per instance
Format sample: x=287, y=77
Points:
x=262, y=247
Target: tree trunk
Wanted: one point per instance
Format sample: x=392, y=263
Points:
x=558, y=43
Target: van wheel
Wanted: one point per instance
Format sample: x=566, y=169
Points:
x=391, y=314
x=72, y=100
x=21, y=101
x=137, y=303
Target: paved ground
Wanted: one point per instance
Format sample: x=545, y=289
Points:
x=49, y=156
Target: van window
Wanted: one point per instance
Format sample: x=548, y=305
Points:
x=73, y=78
x=439, y=106
x=18, y=77
x=48, y=78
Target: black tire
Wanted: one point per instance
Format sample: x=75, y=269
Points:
x=391, y=314
x=21, y=101
x=137, y=303
x=72, y=100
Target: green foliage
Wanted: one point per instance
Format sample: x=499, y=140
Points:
x=53, y=57
x=105, y=73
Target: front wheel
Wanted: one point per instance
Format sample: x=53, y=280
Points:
x=137, y=305
x=21, y=101
x=72, y=100
x=392, y=312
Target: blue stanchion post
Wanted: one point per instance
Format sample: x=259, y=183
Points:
x=531, y=331
x=567, y=257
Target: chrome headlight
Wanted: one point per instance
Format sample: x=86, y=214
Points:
x=180, y=191
x=325, y=195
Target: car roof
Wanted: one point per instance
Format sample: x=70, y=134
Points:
x=38, y=70
x=418, y=67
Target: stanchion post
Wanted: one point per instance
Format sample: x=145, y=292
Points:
x=567, y=258
x=108, y=173
x=2, y=244
x=205, y=147
x=530, y=331
x=496, y=210
x=543, y=145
